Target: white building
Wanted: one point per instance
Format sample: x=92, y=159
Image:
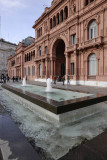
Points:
x=6, y=49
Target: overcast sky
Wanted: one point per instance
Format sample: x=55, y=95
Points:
x=18, y=17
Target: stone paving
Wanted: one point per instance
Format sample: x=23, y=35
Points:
x=95, y=149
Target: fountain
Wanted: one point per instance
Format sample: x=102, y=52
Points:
x=48, y=88
x=24, y=82
x=51, y=119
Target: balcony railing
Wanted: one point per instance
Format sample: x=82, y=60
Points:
x=72, y=48
x=92, y=42
x=18, y=64
x=41, y=57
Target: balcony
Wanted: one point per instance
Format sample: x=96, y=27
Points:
x=18, y=64
x=39, y=58
x=72, y=48
x=91, y=43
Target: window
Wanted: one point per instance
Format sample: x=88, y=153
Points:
x=66, y=12
x=61, y=16
x=33, y=70
x=46, y=49
x=39, y=51
x=73, y=39
x=40, y=70
x=92, y=65
x=57, y=18
x=28, y=71
x=25, y=71
x=93, y=30
x=54, y=21
x=86, y=2
x=72, y=68
x=25, y=57
x=51, y=23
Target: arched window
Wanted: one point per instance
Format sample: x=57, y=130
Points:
x=51, y=23
x=92, y=62
x=92, y=30
x=41, y=31
x=57, y=18
x=29, y=56
x=25, y=57
x=66, y=12
x=54, y=21
x=61, y=16
x=40, y=51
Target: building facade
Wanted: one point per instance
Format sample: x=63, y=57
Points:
x=70, y=40
x=16, y=63
x=6, y=49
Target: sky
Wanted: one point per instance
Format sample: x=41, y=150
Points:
x=18, y=17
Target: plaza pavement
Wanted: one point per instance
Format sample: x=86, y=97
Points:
x=95, y=149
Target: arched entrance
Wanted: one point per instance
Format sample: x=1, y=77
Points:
x=60, y=61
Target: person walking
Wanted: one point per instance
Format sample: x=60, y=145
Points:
x=68, y=82
x=63, y=80
x=54, y=79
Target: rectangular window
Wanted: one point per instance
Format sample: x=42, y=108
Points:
x=46, y=50
x=25, y=71
x=28, y=71
x=73, y=39
x=33, y=70
x=40, y=70
x=39, y=51
x=72, y=69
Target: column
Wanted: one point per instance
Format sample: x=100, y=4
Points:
x=54, y=68
x=50, y=67
x=75, y=65
x=36, y=70
x=42, y=61
x=67, y=64
x=47, y=68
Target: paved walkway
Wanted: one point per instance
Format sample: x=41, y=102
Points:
x=13, y=144
x=96, y=149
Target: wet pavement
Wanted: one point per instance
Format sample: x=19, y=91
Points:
x=13, y=144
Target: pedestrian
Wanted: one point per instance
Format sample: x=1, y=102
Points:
x=8, y=78
x=63, y=79
x=54, y=79
x=68, y=82
x=4, y=79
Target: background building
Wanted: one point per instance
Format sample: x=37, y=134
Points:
x=16, y=62
x=6, y=49
x=70, y=40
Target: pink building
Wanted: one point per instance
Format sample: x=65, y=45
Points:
x=70, y=40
